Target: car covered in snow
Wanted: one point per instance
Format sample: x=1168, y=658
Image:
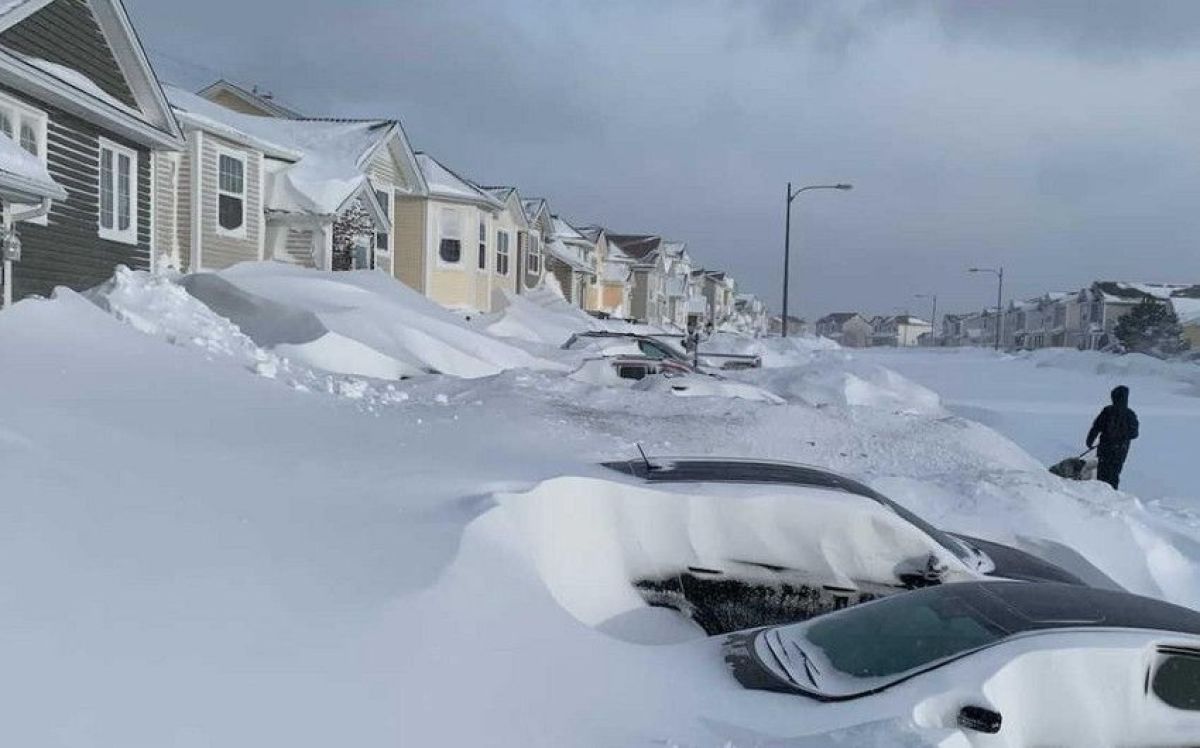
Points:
x=1027, y=664
x=662, y=347
x=813, y=541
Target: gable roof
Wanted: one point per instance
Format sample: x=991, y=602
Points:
x=263, y=102
x=131, y=103
x=443, y=183
x=537, y=209
x=639, y=247
x=838, y=318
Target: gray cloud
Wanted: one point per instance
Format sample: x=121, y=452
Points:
x=1048, y=137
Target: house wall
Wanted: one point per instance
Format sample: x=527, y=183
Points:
x=409, y=241
x=68, y=250
x=217, y=250
x=639, y=295
x=482, y=279
x=455, y=285
x=298, y=246
x=166, y=205
x=856, y=333
x=505, y=221
x=562, y=273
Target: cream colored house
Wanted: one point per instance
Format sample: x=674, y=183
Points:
x=250, y=187
x=532, y=248
x=614, y=269
x=571, y=258
x=446, y=243
x=509, y=226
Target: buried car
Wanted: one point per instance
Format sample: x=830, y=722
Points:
x=823, y=542
x=1038, y=663
x=662, y=347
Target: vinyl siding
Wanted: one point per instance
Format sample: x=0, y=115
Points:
x=68, y=251
x=219, y=251
x=183, y=206
x=451, y=288
x=408, y=242
x=166, y=195
x=237, y=104
x=66, y=32
x=382, y=170
x=298, y=248
x=639, y=296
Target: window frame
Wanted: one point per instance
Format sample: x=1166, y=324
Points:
x=482, y=260
x=18, y=114
x=387, y=199
x=243, y=158
x=443, y=237
x=116, y=233
x=503, y=258
x=532, y=254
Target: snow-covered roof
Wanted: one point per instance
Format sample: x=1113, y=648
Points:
x=445, y=183
x=75, y=79
x=1187, y=309
x=23, y=177
x=638, y=247
x=568, y=254
x=253, y=97
x=332, y=153
x=202, y=114
x=1118, y=291
x=566, y=231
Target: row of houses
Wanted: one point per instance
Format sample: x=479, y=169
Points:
x=855, y=330
x=101, y=164
x=1083, y=319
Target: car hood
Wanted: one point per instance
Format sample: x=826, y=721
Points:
x=1012, y=563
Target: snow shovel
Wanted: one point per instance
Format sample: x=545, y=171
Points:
x=1076, y=468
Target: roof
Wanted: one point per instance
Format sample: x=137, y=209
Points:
x=636, y=246
x=534, y=207
x=444, y=183
x=262, y=101
x=1118, y=291
x=332, y=154
x=23, y=177
x=591, y=233
x=838, y=317
x=148, y=122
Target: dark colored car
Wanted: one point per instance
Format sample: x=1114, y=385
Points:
x=726, y=594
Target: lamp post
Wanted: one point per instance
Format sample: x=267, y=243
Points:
x=787, y=237
x=932, y=315
x=999, y=273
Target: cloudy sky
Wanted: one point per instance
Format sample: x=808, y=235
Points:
x=1059, y=138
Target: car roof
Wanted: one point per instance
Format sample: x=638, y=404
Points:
x=727, y=470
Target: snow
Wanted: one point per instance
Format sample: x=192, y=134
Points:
x=322, y=559
x=24, y=174
x=1187, y=310
x=330, y=170
x=73, y=78
x=444, y=183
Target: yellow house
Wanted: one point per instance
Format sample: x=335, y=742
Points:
x=446, y=244
x=610, y=293
x=509, y=226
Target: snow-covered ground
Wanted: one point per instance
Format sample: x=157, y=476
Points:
x=209, y=542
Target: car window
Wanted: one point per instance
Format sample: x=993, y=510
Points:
x=632, y=372
x=1177, y=681
x=901, y=633
x=650, y=350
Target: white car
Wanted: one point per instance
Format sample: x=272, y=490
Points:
x=1006, y=663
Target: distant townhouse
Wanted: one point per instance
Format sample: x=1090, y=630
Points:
x=719, y=291
x=532, y=244
x=645, y=272
x=902, y=331
x=499, y=253
x=851, y=329
x=247, y=100
x=614, y=269
x=88, y=119
x=750, y=315
x=249, y=187
x=570, y=258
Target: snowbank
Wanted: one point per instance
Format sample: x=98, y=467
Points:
x=377, y=313
x=702, y=385
x=541, y=316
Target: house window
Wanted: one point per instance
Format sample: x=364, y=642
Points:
x=118, y=185
x=383, y=240
x=231, y=194
x=25, y=125
x=502, y=252
x=450, y=233
x=482, y=245
x=534, y=255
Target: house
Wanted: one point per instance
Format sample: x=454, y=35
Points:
x=750, y=315
x=796, y=325
x=614, y=269
x=319, y=193
x=541, y=226
x=508, y=226
x=675, y=271
x=711, y=297
x=1104, y=303
x=445, y=244
x=645, y=279
x=851, y=329
x=79, y=96
x=247, y=101
x=570, y=258
x=902, y=331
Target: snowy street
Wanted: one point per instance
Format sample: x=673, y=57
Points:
x=209, y=542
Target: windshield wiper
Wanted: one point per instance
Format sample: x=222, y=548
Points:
x=810, y=667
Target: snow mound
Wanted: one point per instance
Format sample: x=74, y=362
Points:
x=541, y=316
x=384, y=316
x=701, y=385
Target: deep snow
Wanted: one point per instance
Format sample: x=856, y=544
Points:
x=209, y=543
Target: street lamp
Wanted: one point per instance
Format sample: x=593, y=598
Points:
x=999, y=273
x=787, y=237
x=933, y=314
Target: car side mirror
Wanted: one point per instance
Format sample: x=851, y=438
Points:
x=928, y=573
x=979, y=719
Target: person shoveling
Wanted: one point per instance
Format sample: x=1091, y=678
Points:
x=1115, y=427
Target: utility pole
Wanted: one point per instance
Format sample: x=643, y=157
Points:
x=787, y=237
x=999, y=273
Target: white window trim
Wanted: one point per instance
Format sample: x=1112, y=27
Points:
x=481, y=246
x=507, y=254
x=115, y=234
x=462, y=250
x=386, y=252
x=530, y=254
x=19, y=111
x=240, y=232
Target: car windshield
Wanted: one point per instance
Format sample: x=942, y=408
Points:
x=900, y=634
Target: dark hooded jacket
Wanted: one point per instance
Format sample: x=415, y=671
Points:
x=1117, y=424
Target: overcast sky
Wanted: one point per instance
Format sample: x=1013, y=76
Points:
x=1060, y=138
